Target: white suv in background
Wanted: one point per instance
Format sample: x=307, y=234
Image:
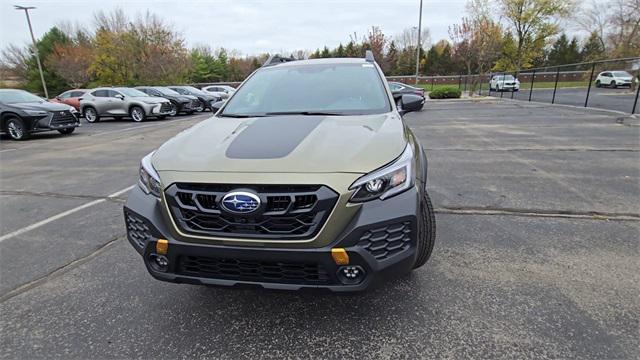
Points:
x=222, y=91
x=614, y=79
x=502, y=82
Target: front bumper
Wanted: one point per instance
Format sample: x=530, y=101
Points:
x=380, y=240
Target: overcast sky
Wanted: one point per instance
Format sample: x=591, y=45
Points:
x=249, y=26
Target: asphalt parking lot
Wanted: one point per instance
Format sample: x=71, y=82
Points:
x=536, y=256
x=620, y=99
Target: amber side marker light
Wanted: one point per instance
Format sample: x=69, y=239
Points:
x=340, y=256
x=162, y=246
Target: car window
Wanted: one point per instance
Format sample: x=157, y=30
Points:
x=10, y=96
x=621, y=74
x=77, y=93
x=396, y=87
x=607, y=74
x=180, y=91
x=65, y=95
x=113, y=93
x=336, y=88
x=100, y=93
x=166, y=91
x=131, y=92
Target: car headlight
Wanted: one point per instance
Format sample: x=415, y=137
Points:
x=387, y=181
x=35, y=112
x=149, y=180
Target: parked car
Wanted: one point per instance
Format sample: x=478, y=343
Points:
x=504, y=82
x=224, y=91
x=399, y=89
x=120, y=102
x=289, y=189
x=206, y=99
x=614, y=79
x=22, y=114
x=179, y=103
x=70, y=97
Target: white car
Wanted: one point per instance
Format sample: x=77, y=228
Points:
x=614, y=79
x=504, y=82
x=222, y=91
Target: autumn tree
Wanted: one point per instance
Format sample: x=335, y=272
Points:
x=71, y=62
x=531, y=23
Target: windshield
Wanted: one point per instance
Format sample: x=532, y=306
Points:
x=505, y=77
x=131, y=92
x=193, y=90
x=340, y=89
x=18, y=96
x=621, y=74
x=166, y=91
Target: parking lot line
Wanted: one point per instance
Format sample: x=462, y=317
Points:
x=63, y=214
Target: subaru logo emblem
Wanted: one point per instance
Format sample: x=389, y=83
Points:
x=240, y=202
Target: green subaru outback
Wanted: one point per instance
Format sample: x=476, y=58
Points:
x=306, y=177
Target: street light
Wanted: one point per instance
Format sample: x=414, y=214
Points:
x=35, y=47
x=419, y=45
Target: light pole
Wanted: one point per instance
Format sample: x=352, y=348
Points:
x=419, y=45
x=35, y=47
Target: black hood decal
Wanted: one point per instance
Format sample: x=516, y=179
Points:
x=272, y=137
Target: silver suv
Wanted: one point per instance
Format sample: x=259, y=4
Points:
x=120, y=102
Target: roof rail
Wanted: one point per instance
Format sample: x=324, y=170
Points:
x=277, y=59
x=368, y=55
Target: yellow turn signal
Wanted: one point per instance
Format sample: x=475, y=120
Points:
x=162, y=246
x=340, y=256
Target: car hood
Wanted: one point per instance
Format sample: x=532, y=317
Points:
x=286, y=144
x=42, y=106
x=207, y=97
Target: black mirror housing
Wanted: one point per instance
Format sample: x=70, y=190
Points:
x=409, y=103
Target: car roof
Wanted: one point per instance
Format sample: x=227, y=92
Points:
x=321, y=62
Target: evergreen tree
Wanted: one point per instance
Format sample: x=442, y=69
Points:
x=592, y=49
x=46, y=46
x=325, y=53
x=339, y=52
x=564, y=52
x=390, y=63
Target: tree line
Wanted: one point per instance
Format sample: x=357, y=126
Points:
x=501, y=35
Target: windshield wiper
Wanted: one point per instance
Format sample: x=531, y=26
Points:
x=303, y=113
x=240, y=115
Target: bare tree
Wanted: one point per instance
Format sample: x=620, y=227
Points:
x=115, y=21
x=593, y=17
x=625, y=34
x=408, y=38
x=16, y=59
x=71, y=62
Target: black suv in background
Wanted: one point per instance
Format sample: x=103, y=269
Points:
x=187, y=104
x=22, y=113
x=207, y=100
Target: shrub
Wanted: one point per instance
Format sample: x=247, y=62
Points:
x=447, y=92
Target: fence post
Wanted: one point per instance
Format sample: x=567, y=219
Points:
x=513, y=90
x=466, y=78
x=501, y=91
x=586, y=100
x=633, y=111
x=432, y=77
x=459, y=81
x=555, y=86
x=490, y=77
x=533, y=76
x=480, y=89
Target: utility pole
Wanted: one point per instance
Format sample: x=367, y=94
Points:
x=419, y=44
x=35, y=47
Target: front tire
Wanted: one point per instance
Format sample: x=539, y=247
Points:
x=598, y=83
x=613, y=85
x=137, y=114
x=426, y=231
x=91, y=115
x=66, y=131
x=16, y=129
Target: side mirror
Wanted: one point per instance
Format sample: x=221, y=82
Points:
x=216, y=106
x=409, y=103
x=119, y=96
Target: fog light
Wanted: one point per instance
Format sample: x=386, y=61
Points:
x=352, y=274
x=159, y=262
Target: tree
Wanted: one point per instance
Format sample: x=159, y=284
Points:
x=71, y=62
x=390, y=62
x=376, y=42
x=325, y=53
x=625, y=34
x=531, y=22
x=593, y=17
x=46, y=45
x=564, y=52
x=593, y=49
